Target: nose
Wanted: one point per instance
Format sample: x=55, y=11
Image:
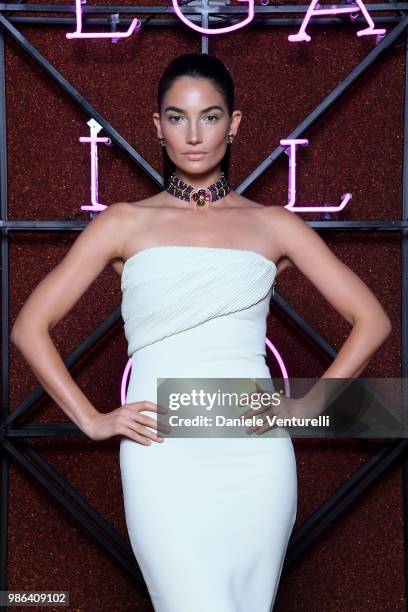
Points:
x=194, y=134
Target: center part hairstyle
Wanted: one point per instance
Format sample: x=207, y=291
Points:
x=201, y=65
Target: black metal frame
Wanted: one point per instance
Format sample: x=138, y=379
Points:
x=13, y=432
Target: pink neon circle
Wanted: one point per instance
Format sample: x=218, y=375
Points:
x=251, y=13
x=124, y=381
x=269, y=344
x=281, y=365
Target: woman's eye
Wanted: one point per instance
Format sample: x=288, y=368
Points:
x=208, y=117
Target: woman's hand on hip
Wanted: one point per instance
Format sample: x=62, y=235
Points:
x=128, y=421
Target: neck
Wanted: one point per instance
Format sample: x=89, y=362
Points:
x=199, y=181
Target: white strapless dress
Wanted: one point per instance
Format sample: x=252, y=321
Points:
x=209, y=519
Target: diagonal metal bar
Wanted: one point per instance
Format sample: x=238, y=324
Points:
x=74, y=94
x=326, y=103
x=76, y=497
x=126, y=147
x=72, y=358
x=334, y=507
x=339, y=501
x=39, y=429
x=135, y=156
x=317, y=522
x=33, y=470
x=318, y=340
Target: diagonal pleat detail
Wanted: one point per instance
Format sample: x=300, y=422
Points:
x=168, y=291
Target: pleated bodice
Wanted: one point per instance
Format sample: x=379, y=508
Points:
x=168, y=290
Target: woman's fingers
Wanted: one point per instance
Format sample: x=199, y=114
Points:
x=136, y=425
x=150, y=422
x=143, y=433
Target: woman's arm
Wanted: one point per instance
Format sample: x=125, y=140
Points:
x=54, y=297
x=341, y=287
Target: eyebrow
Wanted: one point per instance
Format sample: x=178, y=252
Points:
x=180, y=110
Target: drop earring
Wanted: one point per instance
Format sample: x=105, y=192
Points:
x=162, y=142
x=230, y=138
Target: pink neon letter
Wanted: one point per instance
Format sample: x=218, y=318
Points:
x=135, y=25
x=302, y=36
x=93, y=139
x=292, y=142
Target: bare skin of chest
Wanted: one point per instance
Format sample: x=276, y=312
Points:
x=238, y=224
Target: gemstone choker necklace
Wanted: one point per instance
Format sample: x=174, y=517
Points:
x=200, y=197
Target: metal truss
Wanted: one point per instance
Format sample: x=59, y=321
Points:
x=13, y=431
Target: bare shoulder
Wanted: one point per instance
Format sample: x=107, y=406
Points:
x=302, y=245
x=276, y=221
x=122, y=209
x=278, y=213
x=268, y=211
x=116, y=213
x=109, y=221
x=153, y=201
x=242, y=202
x=128, y=222
x=333, y=278
x=284, y=223
x=126, y=216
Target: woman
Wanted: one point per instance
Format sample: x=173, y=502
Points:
x=209, y=518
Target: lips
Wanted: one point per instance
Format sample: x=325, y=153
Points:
x=194, y=155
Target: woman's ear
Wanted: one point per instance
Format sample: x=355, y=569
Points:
x=236, y=120
x=156, y=121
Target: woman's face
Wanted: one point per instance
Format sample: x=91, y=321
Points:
x=194, y=117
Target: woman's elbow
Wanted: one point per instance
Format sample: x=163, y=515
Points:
x=388, y=326
x=385, y=322
x=16, y=334
x=378, y=325
x=22, y=332
x=383, y=326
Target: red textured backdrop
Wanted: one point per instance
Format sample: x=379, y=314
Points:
x=357, y=564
